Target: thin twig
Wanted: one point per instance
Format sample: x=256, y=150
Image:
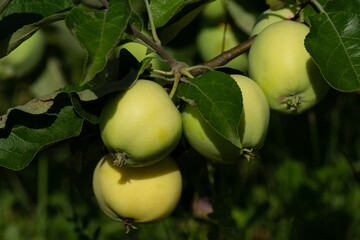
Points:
x=173, y=63
x=318, y=5
x=224, y=57
x=152, y=25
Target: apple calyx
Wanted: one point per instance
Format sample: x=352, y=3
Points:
x=248, y=154
x=120, y=158
x=128, y=223
x=293, y=102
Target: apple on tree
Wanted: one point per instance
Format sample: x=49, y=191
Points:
x=144, y=195
x=210, y=42
x=270, y=16
x=252, y=128
x=281, y=66
x=141, y=125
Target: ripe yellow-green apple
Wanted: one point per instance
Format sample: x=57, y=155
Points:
x=23, y=59
x=144, y=195
x=140, y=52
x=141, y=125
x=269, y=17
x=214, y=12
x=210, y=42
x=281, y=66
x=252, y=128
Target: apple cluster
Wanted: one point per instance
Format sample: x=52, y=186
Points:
x=138, y=181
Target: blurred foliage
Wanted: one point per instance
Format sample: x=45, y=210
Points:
x=305, y=185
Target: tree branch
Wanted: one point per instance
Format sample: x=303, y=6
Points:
x=173, y=63
x=224, y=57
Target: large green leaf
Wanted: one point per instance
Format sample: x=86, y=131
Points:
x=99, y=32
x=163, y=10
x=18, y=147
x=24, y=130
x=22, y=18
x=23, y=12
x=219, y=100
x=181, y=20
x=334, y=43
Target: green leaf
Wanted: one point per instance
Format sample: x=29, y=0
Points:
x=162, y=11
x=21, y=19
x=219, y=100
x=99, y=32
x=334, y=43
x=19, y=147
x=23, y=12
x=24, y=130
x=13, y=40
x=181, y=20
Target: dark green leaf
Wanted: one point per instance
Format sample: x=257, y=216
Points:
x=334, y=43
x=181, y=20
x=13, y=40
x=21, y=19
x=24, y=130
x=162, y=11
x=99, y=32
x=23, y=12
x=219, y=100
x=19, y=147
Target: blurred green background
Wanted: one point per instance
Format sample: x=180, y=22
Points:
x=305, y=185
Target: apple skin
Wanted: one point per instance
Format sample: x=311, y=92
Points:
x=145, y=195
x=209, y=42
x=23, y=59
x=252, y=128
x=142, y=124
x=281, y=66
x=269, y=17
x=214, y=12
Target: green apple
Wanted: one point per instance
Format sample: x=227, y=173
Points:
x=214, y=12
x=269, y=17
x=141, y=125
x=210, y=42
x=23, y=59
x=252, y=128
x=143, y=195
x=140, y=52
x=281, y=66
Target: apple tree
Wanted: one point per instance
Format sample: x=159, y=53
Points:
x=209, y=83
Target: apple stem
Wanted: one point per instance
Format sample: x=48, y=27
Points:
x=175, y=85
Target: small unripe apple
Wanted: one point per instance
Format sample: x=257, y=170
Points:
x=214, y=12
x=23, y=59
x=210, y=42
x=269, y=17
x=252, y=128
x=281, y=66
x=141, y=125
x=143, y=195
